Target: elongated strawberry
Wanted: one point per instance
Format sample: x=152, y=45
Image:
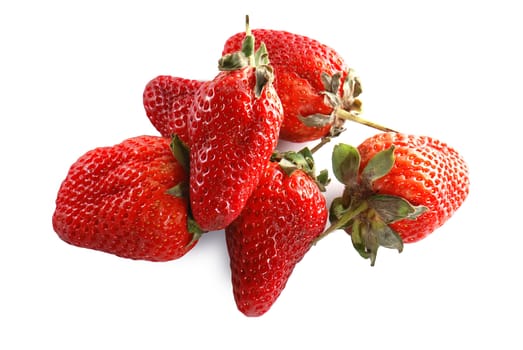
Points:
x=398, y=189
x=120, y=200
x=233, y=129
x=167, y=101
x=286, y=212
x=317, y=89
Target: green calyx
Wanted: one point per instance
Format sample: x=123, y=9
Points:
x=363, y=213
x=344, y=107
x=303, y=160
x=247, y=56
x=349, y=101
x=181, y=152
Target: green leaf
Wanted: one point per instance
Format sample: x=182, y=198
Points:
x=393, y=208
x=181, y=190
x=370, y=232
x=322, y=180
x=357, y=236
x=331, y=83
x=261, y=56
x=378, y=166
x=292, y=160
x=264, y=76
x=193, y=227
x=346, y=164
x=326, y=79
x=180, y=152
x=287, y=166
x=239, y=59
x=335, y=83
x=385, y=235
x=307, y=155
x=352, y=84
x=418, y=210
x=348, y=214
x=337, y=209
x=357, y=90
x=317, y=120
x=248, y=45
x=233, y=61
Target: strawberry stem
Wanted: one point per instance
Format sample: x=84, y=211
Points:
x=345, y=115
x=248, y=43
x=242, y=58
x=323, y=142
x=247, y=25
x=348, y=106
x=348, y=216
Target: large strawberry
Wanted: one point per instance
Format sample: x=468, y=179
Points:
x=124, y=200
x=233, y=129
x=275, y=230
x=316, y=87
x=167, y=101
x=398, y=189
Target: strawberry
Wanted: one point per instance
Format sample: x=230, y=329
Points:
x=398, y=189
x=316, y=87
x=281, y=219
x=233, y=129
x=121, y=200
x=167, y=100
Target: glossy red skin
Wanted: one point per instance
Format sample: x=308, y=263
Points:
x=114, y=200
x=426, y=172
x=273, y=233
x=167, y=101
x=298, y=62
x=233, y=135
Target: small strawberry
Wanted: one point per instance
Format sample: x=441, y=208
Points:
x=233, y=129
x=316, y=87
x=121, y=200
x=398, y=189
x=167, y=100
x=286, y=212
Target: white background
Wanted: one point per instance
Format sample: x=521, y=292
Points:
x=71, y=79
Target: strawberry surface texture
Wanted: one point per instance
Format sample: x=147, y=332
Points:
x=234, y=125
x=167, y=101
x=273, y=233
x=115, y=199
x=398, y=189
x=299, y=63
x=426, y=172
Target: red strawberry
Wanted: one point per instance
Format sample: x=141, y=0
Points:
x=233, y=129
x=118, y=200
x=275, y=230
x=316, y=87
x=398, y=189
x=167, y=100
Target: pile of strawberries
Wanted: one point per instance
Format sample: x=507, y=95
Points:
x=215, y=166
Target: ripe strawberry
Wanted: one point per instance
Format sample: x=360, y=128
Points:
x=275, y=230
x=167, y=100
x=316, y=87
x=233, y=129
x=398, y=189
x=121, y=200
